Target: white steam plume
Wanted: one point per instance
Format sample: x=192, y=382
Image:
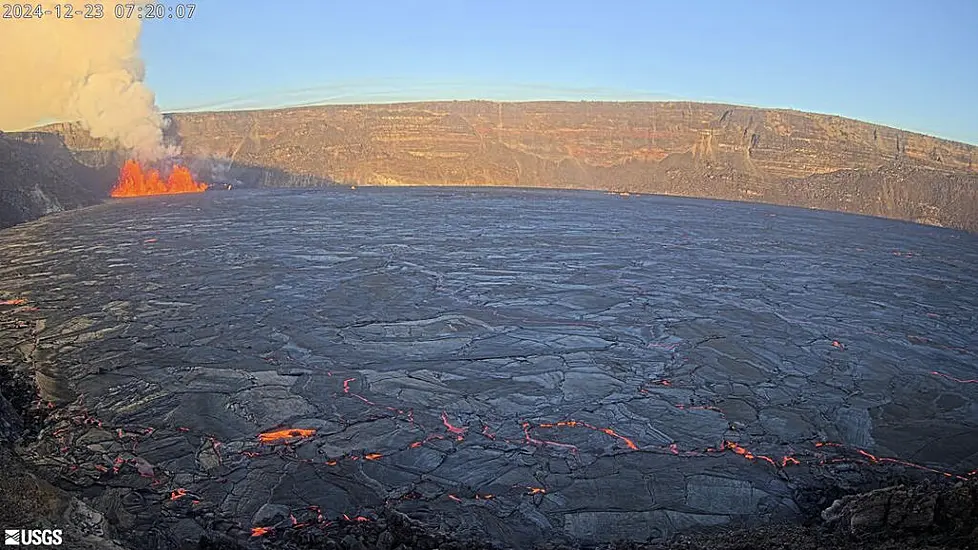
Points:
x=78, y=69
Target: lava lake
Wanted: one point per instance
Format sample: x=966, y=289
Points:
x=512, y=365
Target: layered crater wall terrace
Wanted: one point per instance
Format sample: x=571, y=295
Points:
x=676, y=148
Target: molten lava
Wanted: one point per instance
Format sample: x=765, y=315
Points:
x=575, y=424
x=136, y=182
x=742, y=451
x=459, y=431
x=284, y=435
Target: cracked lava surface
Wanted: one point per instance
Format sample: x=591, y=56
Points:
x=512, y=365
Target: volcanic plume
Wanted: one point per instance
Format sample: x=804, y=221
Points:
x=134, y=181
x=83, y=68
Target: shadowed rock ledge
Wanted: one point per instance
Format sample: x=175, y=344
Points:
x=39, y=175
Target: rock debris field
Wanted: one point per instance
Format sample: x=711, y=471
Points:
x=514, y=366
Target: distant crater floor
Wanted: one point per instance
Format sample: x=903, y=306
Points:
x=516, y=366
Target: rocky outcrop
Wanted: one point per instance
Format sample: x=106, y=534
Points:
x=897, y=190
x=949, y=513
x=29, y=502
x=903, y=510
x=39, y=175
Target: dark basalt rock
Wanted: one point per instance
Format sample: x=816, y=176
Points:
x=304, y=370
x=271, y=515
x=11, y=424
x=40, y=176
x=913, y=509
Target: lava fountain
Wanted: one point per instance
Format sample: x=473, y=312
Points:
x=134, y=181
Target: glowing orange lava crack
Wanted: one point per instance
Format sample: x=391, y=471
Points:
x=459, y=432
x=319, y=520
x=284, y=435
x=783, y=462
x=742, y=451
x=665, y=383
x=576, y=424
x=431, y=437
x=542, y=442
x=346, y=390
x=873, y=459
x=789, y=460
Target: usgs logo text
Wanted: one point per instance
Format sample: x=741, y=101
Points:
x=29, y=537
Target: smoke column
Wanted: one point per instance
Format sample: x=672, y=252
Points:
x=77, y=69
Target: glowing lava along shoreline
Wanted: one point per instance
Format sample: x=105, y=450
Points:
x=134, y=181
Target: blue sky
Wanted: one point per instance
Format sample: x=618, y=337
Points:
x=913, y=65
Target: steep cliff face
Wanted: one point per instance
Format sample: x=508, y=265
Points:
x=681, y=148
x=774, y=143
x=39, y=176
x=912, y=193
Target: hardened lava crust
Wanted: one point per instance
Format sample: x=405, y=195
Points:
x=440, y=368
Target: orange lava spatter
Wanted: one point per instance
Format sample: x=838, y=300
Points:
x=134, y=181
